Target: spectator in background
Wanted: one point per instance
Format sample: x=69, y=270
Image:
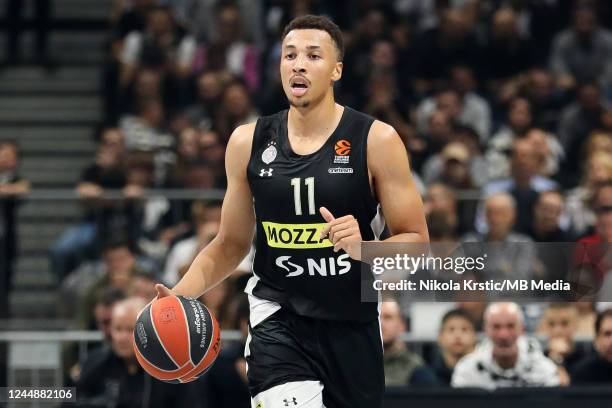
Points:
x=524, y=184
x=456, y=339
x=162, y=45
x=402, y=367
x=225, y=385
x=577, y=121
x=515, y=254
x=128, y=19
x=505, y=358
x=206, y=220
x=202, y=113
x=236, y=109
x=461, y=104
x=452, y=166
x=451, y=42
x=442, y=200
x=546, y=104
x=582, y=53
x=597, y=171
x=113, y=376
x=547, y=218
x=12, y=188
x=597, y=369
x=119, y=268
x=107, y=172
x=15, y=25
x=558, y=324
x=142, y=285
x=506, y=52
x=229, y=50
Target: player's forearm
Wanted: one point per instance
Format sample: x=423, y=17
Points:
x=410, y=237
x=212, y=265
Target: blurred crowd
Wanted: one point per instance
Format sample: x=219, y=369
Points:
x=505, y=110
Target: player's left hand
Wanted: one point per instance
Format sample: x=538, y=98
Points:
x=343, y=232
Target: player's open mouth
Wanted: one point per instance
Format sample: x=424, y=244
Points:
x=299, y=86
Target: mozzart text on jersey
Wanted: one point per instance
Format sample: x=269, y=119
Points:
x=505, y=285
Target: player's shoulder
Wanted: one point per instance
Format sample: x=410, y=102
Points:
x=241, y=139
x=381, y=132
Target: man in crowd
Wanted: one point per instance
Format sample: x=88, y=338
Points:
x=456, y=339
x=506, y=358
x=112, y=376
x=597, y=369
x=402, y=367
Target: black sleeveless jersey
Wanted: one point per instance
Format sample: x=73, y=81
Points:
x=292, y=265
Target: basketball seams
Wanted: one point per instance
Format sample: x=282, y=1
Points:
x=159, y=338
x=188, y=331
x=156, y=367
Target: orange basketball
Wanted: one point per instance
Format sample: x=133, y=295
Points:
x=176, y=339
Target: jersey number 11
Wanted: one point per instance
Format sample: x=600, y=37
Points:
x=297, y=196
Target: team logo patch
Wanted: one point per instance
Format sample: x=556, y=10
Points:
x=343, y=147
x=259, y=405
x=269, y=154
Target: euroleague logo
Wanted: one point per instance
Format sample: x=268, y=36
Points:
x=343, y=147
x=343, y=150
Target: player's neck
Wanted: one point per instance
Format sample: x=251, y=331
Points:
x=314, y=121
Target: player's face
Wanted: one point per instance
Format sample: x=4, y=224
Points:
x=603, y=341
x=309, y=66
x=457, y=336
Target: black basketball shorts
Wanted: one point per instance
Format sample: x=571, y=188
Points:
x=299, y=362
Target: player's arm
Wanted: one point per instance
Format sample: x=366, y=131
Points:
x=395, y=189
x=394, y=186
x=222, y=255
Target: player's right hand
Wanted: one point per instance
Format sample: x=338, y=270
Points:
x=163, y=291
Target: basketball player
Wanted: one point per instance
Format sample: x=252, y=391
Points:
x=310, y=180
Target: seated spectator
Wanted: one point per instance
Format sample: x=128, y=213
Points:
x=107, y=172
x=582, y=53
x=597, y=369
x=597, y=171
x=517, y=257
x=469, y=110
x=402, y=367
x=506, y=52
x=230, y=51
x=452, y=166
x=236, y=109
x=456, y=339
x=112, y=375
x=120, y=266
x=206, y=220
x=441, y=200
x=505, y=358
x=546, y=103
x=142, y=285
x=225, y=385
x=524, y=184
x=162, y=44
x=12, y=187
x=558, y=324
x=547, y=212
x=578, y=120
x=201, y=114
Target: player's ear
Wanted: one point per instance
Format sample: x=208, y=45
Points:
x=337, y=72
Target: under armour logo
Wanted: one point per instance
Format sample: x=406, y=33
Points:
x=265, y=172
x=293, y=401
